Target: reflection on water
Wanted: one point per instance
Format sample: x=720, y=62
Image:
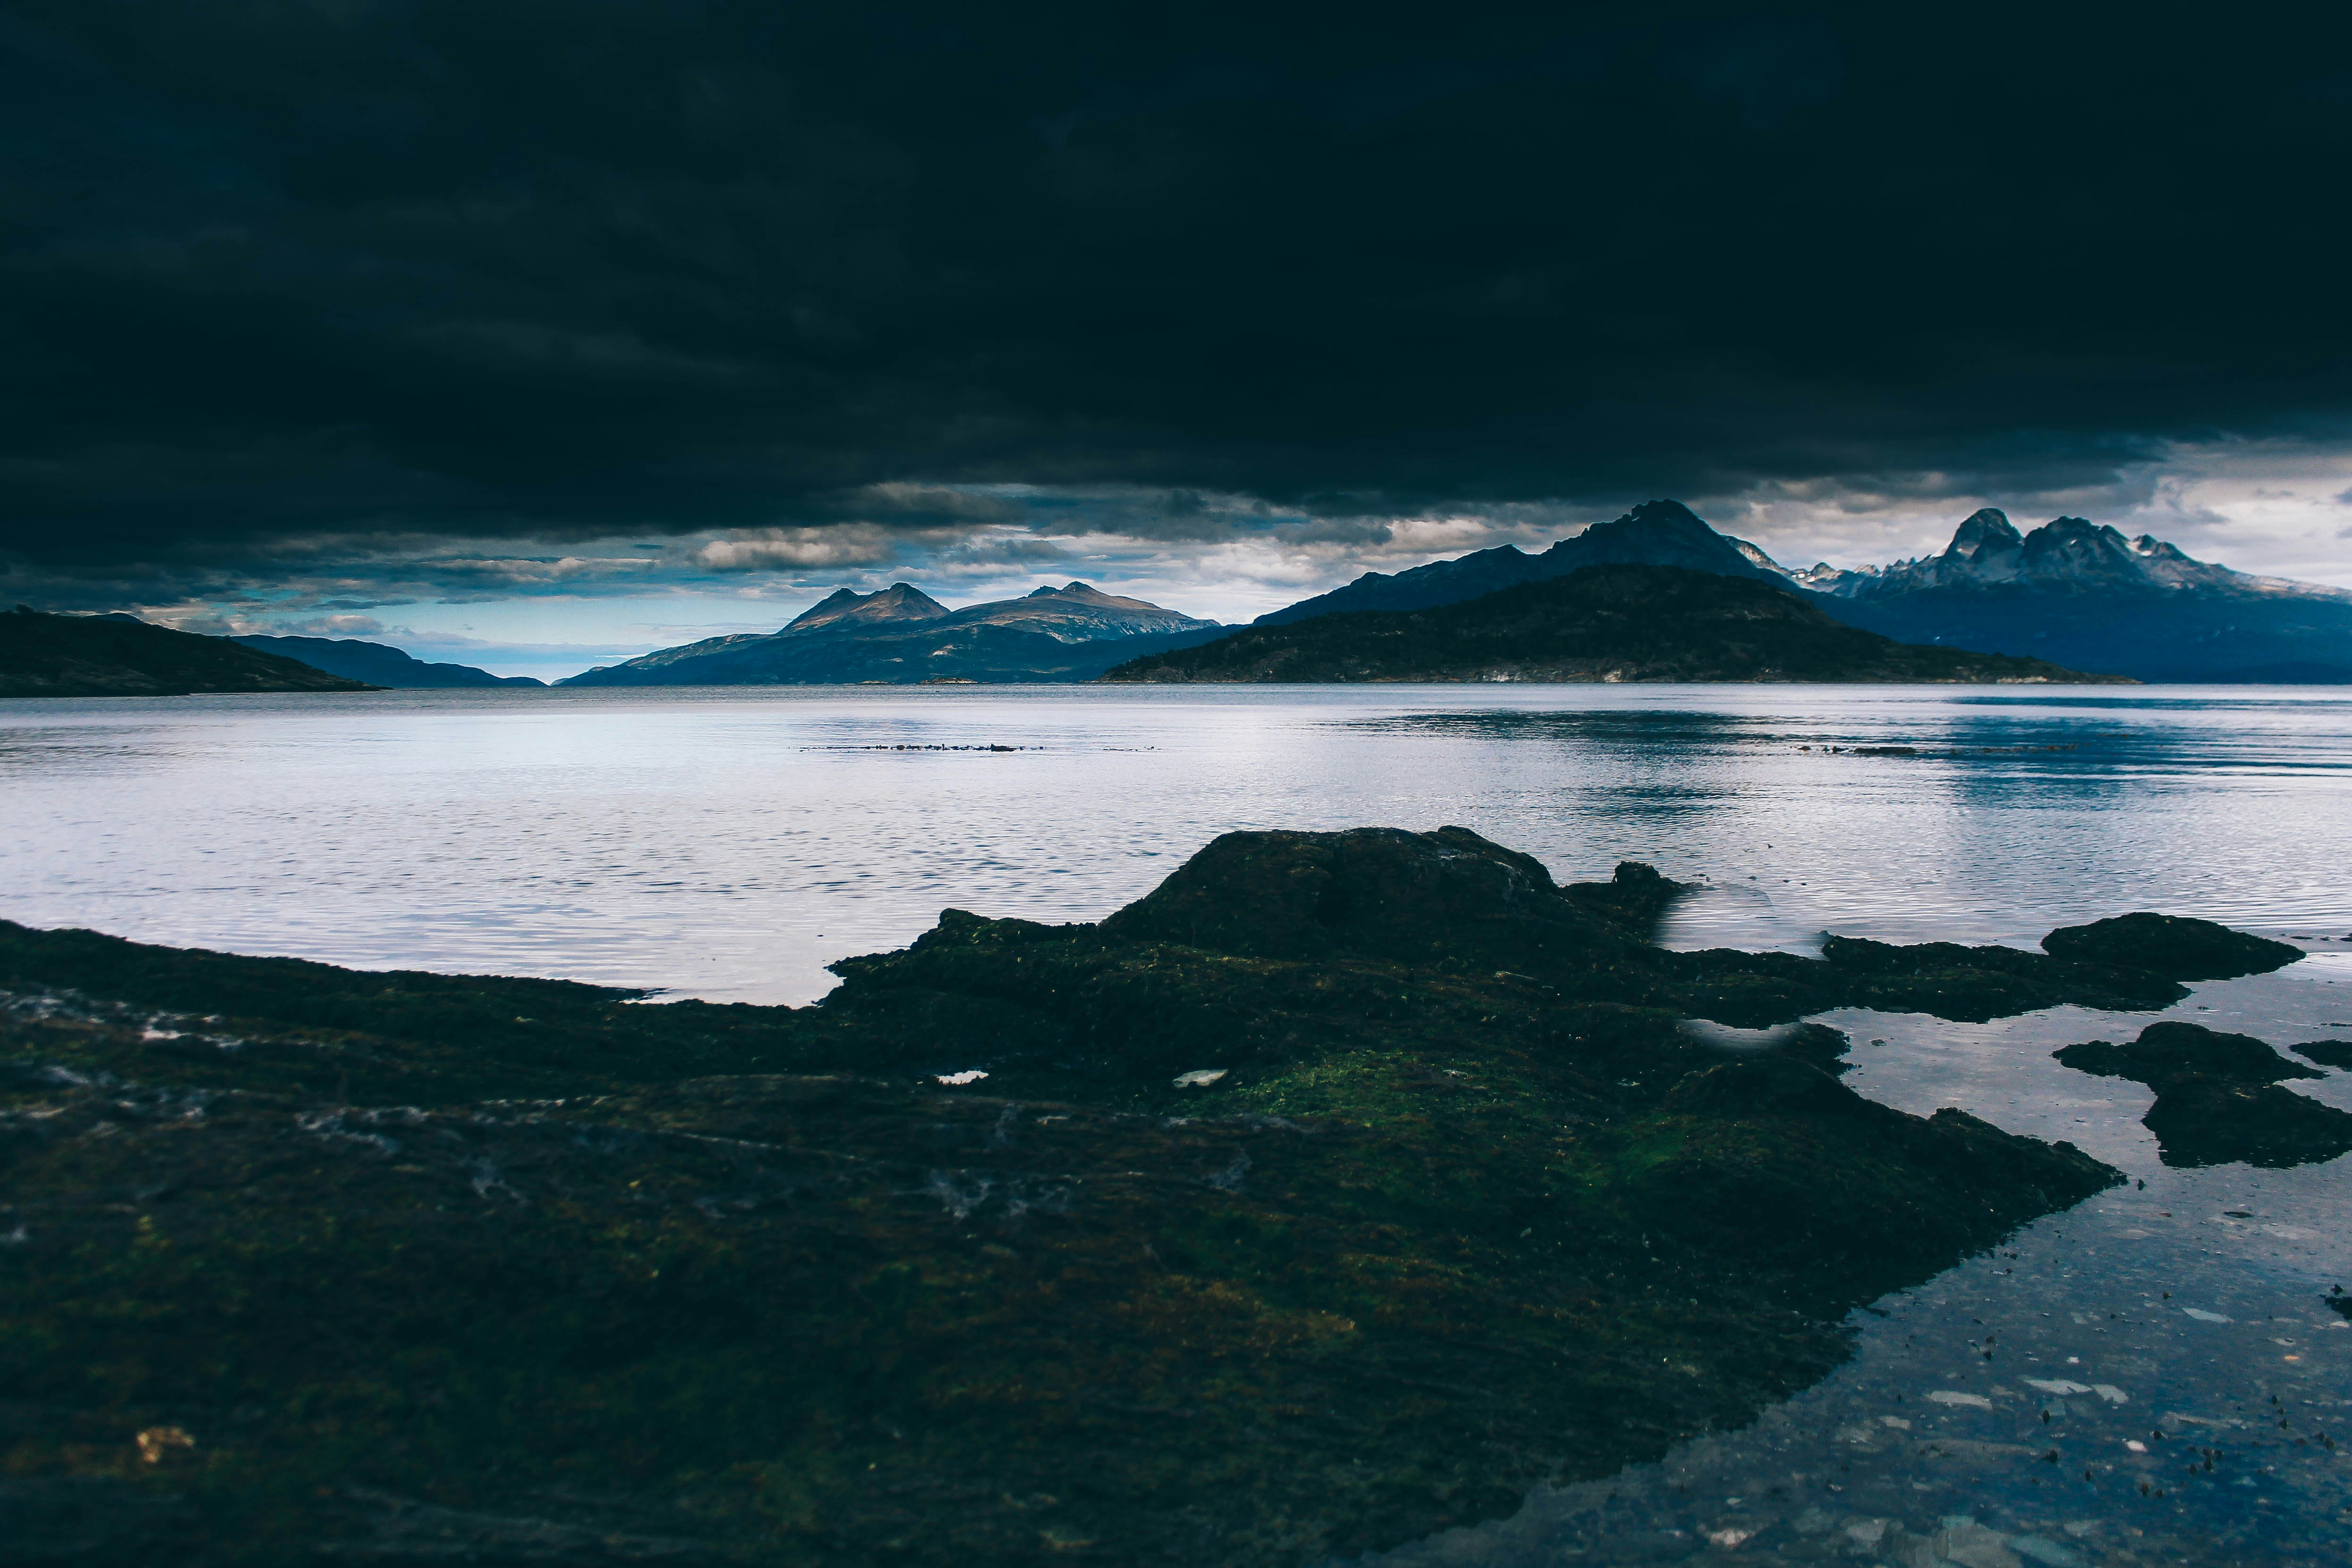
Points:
x=2170, y=1344
x=2155, y=1376
x=729, y=843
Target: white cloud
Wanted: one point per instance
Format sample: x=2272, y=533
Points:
x=789, y=548
x=336, y=626
x=525, y=572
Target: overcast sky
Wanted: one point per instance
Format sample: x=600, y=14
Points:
x=536, y=334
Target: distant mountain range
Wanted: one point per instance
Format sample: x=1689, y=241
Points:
x=378, y=664
x=1609, y=623
x=901, y=636
x=2082, y=593
x=2072, y=592
x=121, y=655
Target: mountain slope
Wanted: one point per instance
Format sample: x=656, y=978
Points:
x=2082, y=593
x=378, y=664
x=1655, y=533
x=2072, y=592
x=121, y=655
x=901, y=636
x=1602, y=624
x=1079, y=612
x=899, y=601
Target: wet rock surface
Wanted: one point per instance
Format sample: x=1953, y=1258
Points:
x=2329, y=1053
x=977, y=1261
x=2176, y=945
x=2217, y=1099
x=2201, y=1122
x=2170, y=1053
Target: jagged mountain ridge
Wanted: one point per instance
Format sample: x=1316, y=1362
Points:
x=380, y=664
x=2065, y=552
x=900, y=635
x=2082, y=593
x=2072, y=592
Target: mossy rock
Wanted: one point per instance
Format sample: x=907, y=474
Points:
x=415, y=1259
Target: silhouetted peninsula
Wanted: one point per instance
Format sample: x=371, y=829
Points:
x=121, y=655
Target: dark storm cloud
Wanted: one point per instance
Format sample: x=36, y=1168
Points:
x=286, y=277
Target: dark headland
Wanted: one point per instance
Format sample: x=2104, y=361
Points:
x=1331, y=1195
x=1613, y=623
x=380, y=664
x=120, y=656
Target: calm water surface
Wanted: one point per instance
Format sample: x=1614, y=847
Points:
x=729, y=844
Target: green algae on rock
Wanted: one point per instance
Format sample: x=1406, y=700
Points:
x=517, y=1268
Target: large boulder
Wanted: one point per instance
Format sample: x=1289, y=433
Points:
x=2174, y=946
x=1447, y=896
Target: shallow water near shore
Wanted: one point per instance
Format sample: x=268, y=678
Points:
x=2155, y=1376
x=727, y=844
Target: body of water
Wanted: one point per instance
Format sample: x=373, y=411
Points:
x=2156, y=1376
x=727, y=844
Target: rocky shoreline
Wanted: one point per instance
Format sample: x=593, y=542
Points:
x=1335, y=1193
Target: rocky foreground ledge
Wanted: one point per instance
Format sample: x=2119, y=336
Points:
x=1333, y=1194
